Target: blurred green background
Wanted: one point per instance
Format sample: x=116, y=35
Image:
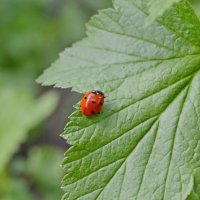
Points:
x=32, y=34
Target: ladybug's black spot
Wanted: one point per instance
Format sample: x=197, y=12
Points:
x=92, y=112
x=93, y=101
x=85, y=97
x=101, y=103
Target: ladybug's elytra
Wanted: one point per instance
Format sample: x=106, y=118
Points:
x=92, y=102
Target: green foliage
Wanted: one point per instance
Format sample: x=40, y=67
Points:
x=145, y=143
x=97, y=4
x=24, y=36
x=44, y=170
x=195, y=191
x=158, y=7
x=196, y=5
x=32, y=33
x=23, y=112
x=41, y=166
x=29, y=28
x=17, y=189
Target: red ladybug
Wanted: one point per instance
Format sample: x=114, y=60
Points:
x=92, y=102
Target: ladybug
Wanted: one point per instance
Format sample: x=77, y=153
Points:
x=92, y=103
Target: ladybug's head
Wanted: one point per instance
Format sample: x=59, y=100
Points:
x=98, y=92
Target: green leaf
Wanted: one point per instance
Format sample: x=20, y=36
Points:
x=158, y=7
x=19, y=113
x=145, y=143
x=195, y=190
x=196, y=5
